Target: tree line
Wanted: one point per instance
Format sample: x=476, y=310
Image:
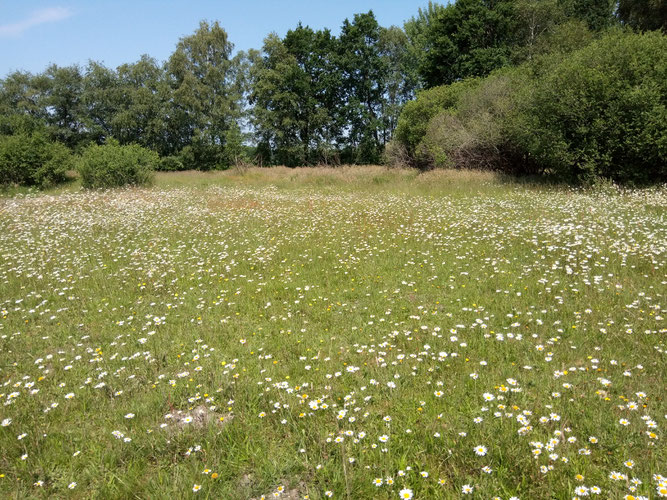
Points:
x=309, y=97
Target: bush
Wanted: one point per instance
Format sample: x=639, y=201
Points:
x=601, y=112
x=473, y=135
x=112, y=165
x=415, y=117
x=597, y=112
x=200, y=155
x=11, y=124
x=32, y=160
x=396, y=155
x=170, y=164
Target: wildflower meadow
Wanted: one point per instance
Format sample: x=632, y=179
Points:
x=354, y=334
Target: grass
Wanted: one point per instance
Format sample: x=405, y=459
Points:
x=316, y=330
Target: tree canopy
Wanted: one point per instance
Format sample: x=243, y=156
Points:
x=310, y=96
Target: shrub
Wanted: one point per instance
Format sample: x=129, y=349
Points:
x=564, y=38
x=601, y=112
x=201, y=155
x=473, y=134
x=395, y=155
x=32, y=160
x=415, y=117
x=170, y=164
x=597, y=112
x=11, y=124
x=112, y=165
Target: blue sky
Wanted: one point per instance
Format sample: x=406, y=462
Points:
x=35, y=33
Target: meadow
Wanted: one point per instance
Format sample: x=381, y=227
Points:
x=357, y=333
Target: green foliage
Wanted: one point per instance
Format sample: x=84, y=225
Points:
x=468, y=38
x=643, y=14
x=52, y=99
x=601, y=112
x=598, y=112
x=401, y=79
x=190, y=101
x=32, y=160
x=61, y=98
x=14, y=123
x=597, y=14
x=312, y=97
x=206, y=92
x=21, y=96
x=536, y=21
x=364, y=73
x=416, y=115
x=475, y=37
x=170, y=164
x=115, y=165
x=234, y=152
x=294, y=91
x=101, y=99
x=134, y=105
x=199, y=155
x=142, y=103
x=417, y=29
x=563, y=38
x=317, y=98
x=473, y=133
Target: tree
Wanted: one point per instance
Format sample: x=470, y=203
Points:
x=598, y=14
x=401, y=78
x=206, y=92
x=101, y=99
x=18, y=95
x=468, y=38
x=364, y=73
x=643, y=15
x=537, y=19
x=141, y=116
x=320, y=85
x=61, y=89
x=317, y=98
x=20, y=104
x=276, y=97
x=295, y=92
x=417, y=31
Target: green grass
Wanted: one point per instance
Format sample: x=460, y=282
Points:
x=240, y=299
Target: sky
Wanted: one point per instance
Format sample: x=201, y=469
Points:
x=36, y=33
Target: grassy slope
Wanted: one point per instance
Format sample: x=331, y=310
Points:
x=240, y=299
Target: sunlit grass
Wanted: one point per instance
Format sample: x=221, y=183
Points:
x=363, y=332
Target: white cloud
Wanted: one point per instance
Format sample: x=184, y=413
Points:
x=41, y=16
